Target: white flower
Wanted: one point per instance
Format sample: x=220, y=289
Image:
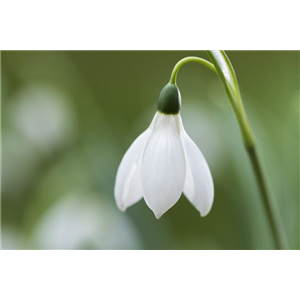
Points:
x=162, y=163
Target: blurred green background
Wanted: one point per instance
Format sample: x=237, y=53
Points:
x=68, y=118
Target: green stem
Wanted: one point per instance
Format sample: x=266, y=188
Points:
x=187, y=60
x=269, y=203
x=223, y=68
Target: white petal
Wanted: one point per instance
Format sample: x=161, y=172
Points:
x=199, y=187
x=128, y=189
x=163, y=165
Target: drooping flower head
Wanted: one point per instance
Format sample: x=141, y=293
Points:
x=163, y=162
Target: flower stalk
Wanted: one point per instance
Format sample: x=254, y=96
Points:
x=222, y=66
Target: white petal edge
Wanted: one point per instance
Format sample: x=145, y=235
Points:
x=128, y=188
x=199, y=187
x=163, y=165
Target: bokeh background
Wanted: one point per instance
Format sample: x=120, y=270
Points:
x=68, y=118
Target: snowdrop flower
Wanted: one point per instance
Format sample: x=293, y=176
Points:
x=163, y=162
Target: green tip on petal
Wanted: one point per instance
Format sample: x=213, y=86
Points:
x=169, y=100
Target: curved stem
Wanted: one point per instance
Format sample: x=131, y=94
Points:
x=223, y=68
x=187, y=60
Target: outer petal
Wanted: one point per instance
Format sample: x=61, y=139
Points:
x=199, y=187
x=128, y=188
x=163, y=165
